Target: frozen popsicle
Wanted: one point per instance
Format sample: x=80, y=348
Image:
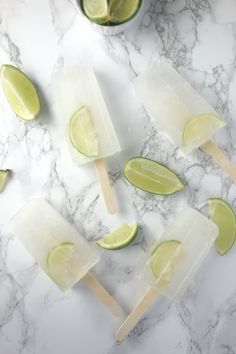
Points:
x=172, y=263
x=89, y=131
x=178, y=109
x=59, y=248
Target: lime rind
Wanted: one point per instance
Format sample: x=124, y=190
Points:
x=120, y=237
x=175, y=184
x=226, y=237
x=162, y=259
x=83, y=137
x=20, y=92
x=200, y=128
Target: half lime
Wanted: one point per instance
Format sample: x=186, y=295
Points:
x=82, y=133
x=96, y=10
x=151, y=176
x=123, y=10
x=20, y=92
x=222, y=214
x=120, y=237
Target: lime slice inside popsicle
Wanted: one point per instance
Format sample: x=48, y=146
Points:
x=96, y=10
x=3, y=179
x=82, y=133
x=201, y=127
x=123, y=10
x=163, y=259
x=222, y=214
x=20, y=92
x=151, y=176
x=62, y=264
x=119, y=238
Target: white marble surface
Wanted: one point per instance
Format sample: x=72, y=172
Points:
x=199, y=37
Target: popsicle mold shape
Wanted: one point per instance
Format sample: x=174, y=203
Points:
x=61, y=251
x=194, y=234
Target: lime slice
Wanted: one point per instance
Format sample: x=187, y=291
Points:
x=123, y=10
x=82, y=133
x=200, y=128
x=3, y=178
x=163, y=259
x=20, y=92
x=222, y=214
x=119, y=238
x=151, y=176
x=96, y=10
x=62, y=264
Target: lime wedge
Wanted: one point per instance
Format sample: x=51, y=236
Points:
x=151, y=176
x=96, y=10
x=62, y=264
x=201, y=128
x=120, y=237
x=123, y=10
x=222, y=214
x=82, y=133
x=3, y=178
x=163, y=259
x=20, y=92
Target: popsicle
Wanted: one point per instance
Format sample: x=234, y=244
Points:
x=177, y=109
x=89, y=130
x=59, y=248
x=172, y=263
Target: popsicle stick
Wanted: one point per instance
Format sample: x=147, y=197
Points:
x=105, y=186
x=136, y=314
x=96, y=287
x=219, y=156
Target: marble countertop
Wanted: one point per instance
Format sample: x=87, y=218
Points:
x=199, y=38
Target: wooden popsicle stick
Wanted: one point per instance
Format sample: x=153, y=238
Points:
x=105, y=186
x=96, y=287
x=136, y=314
x=219, y=156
